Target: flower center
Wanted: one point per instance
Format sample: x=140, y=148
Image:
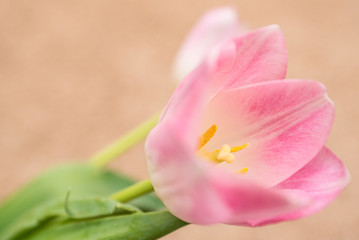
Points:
x=225, y=154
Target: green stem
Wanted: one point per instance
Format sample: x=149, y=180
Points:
x=133, y=191
x=102, y=158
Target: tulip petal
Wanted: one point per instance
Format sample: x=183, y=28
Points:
x=212, y=29
x=285, y=122
x=189, y=98
x=257, y=56
x=175, y=172
x=321, y=180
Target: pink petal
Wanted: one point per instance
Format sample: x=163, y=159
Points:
x=321, y=180
x=178, y=179
x=175, y=172
x=213, y=28
x=257, y=56
x=249, y=202
x=193, y=92
x=286, y=123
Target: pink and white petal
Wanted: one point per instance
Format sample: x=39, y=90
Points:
x=178, y=179
x=171, y=151
x=257, y=56
x=234, y=66
x=325, y=173
x=285, y=122
x=248, y=201
x=212, y=29
x=321, y=180
x=188, y=100
x=175, y=171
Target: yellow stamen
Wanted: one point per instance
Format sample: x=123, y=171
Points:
x=207, y=136
x=225, y=154
x=238, y=148
x=220, y=155
x=242, y=171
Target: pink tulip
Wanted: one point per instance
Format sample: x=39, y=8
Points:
x=239, y=144
x=214, y=28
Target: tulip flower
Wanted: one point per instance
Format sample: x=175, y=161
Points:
x=214, y=28
x=240, y=144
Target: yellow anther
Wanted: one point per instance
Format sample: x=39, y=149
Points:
x=225, y=154
x=207, y=136
x=242, y=171
x=238, y=148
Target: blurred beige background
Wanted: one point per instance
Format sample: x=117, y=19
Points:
x=75, y=75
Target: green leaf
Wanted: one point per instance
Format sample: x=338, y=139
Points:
x=84, y=180
x=96, y=207
x=124, y=221
x=139, y=226
x=90, y=207
x=84, y=208
x=33, y=219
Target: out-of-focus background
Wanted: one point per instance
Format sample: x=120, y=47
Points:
x=75, y=75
